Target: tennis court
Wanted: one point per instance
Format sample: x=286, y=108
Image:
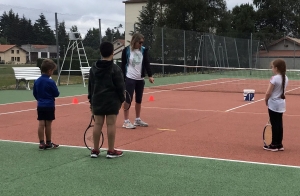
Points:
x=203, y=139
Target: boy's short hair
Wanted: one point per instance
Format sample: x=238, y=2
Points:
x=47, y=65
x=106, y=49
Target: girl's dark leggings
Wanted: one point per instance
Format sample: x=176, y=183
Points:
x=277, y=127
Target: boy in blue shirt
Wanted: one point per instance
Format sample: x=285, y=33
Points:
x=45, y=91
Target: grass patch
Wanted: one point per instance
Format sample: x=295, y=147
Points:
x=8, y=81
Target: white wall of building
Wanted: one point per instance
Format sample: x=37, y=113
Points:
x=132, y=12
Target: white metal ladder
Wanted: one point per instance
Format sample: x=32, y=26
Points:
x=75, y=43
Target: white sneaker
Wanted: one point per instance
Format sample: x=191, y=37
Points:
x=128, y=125
x=140, y=123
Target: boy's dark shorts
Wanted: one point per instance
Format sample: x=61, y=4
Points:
x=46, y=113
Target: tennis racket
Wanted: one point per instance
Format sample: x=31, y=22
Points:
x=267, y=134
x=88, y=136
x=127, y=103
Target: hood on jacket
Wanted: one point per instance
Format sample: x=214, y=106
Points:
x=103, y=66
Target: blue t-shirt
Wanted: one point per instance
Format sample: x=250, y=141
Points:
x=45, y=91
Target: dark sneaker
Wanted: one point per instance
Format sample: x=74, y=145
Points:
x=51, y=146
x=114, y=154
x=271, y=147
x=42, y=146
x=95, y=153
x=280, y=147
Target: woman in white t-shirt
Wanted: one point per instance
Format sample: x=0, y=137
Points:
x=275, y=100
x=135, y=65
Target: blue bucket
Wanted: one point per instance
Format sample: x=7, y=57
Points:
x=249, y=94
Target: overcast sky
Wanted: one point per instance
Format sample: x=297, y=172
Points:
x=83, y=13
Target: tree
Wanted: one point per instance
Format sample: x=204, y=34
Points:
x=243, y=20
x=276, y=18
x=44, y=35
x=147, y=22
x=27, y=35
x=3, y=40
x=92, y=39
x=63, y=39
x=9, y=27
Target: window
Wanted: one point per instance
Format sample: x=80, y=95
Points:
x=18, y=59
x=18, y=51
x=12, y=51
x=12, y=59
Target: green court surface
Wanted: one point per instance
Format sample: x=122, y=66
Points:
x=70, y=171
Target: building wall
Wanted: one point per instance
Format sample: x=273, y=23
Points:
x=288, y=45
x=15, y=57
x=291, y=62
x=132, y=12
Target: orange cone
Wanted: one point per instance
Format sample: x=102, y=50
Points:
x=151, y=98
x=75, y=101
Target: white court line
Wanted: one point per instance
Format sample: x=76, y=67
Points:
x=174, y=155
x=191, y=86
x=86, y=94
x=19, y=111
x=256, y=101
x=185, y=83
x=215, y=111
x=182, y=109
x=35, y=100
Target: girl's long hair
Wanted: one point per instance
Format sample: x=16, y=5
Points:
x=281, y=67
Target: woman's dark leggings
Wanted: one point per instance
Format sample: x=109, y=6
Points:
x=277, y=127
x=136, y=86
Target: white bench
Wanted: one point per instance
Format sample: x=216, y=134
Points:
x=26, y=74
x=85, y=73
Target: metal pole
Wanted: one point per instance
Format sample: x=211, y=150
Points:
x=251, y=54
x=237, y=53
x=226, y=52
x=57, y=48
x=294, y=56
x=134, y=28
x=100, y=36
x=162, y=50
x=257, y=52
x=184, y=57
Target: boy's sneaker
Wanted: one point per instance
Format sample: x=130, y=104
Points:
x=128, y=125
x=95, y=153
x=114, y=154
x=51, y=146
x=271, y=147
x=141, y=123
x=42, y=146
x=280, y=147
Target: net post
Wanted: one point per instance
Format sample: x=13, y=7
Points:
x=57, y=48
x=162, y=51
x=100, y=36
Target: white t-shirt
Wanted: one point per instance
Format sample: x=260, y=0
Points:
x=134, y=69
x=275, y=103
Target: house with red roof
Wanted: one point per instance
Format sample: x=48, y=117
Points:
x=119, y=45
x=12, y=54
x=286, y=48
x=35, y=52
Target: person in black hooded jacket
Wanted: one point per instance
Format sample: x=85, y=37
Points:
x=106, y=89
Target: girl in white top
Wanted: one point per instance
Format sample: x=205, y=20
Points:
x=275, y=100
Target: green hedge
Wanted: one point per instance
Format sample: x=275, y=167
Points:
x=74, y=66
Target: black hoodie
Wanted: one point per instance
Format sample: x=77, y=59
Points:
x=106, y=88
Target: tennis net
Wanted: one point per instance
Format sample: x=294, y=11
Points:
x=218, y=79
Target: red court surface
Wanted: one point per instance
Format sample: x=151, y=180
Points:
x=216, y=125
